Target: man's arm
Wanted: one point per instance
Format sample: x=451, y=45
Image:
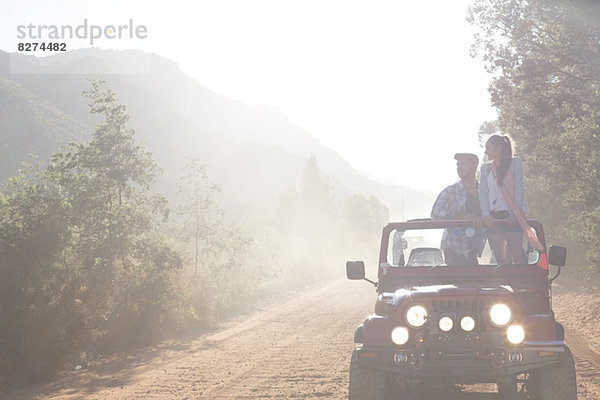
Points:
x=441, y=206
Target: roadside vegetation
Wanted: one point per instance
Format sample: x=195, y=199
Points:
x=93, y=261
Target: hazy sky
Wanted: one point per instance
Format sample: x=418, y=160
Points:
x=389, y=85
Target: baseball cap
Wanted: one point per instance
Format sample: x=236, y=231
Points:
x=469, y=156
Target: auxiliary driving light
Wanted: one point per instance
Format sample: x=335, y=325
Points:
x=467, y=324
x=400, y=358
x=446, y=324
x=416, y=316
x=500, y=314
x=515, y=357
x=400, y=335
x=515, y=334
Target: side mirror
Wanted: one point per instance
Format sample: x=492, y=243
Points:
x=355, y=270
x=557, y=255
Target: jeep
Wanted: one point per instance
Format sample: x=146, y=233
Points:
x=438, y=323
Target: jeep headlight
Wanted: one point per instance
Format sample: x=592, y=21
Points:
x=416, y=316
x=400, y=335
x=467, y=324
x=515, y=334
x=446, y=324
x=500, y=314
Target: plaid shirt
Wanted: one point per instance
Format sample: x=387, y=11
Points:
x=452, y=200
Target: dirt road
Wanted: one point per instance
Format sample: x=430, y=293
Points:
x=297, y=350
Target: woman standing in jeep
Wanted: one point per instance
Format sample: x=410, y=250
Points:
x=501, y=195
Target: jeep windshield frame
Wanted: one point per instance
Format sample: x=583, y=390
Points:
x=534, y=276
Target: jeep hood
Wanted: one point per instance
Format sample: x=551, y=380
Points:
x=441, y=291
x=453, y=290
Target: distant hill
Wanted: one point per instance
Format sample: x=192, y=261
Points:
x=254, y=151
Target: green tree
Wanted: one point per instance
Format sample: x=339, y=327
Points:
x=545, y=59
x=364, y=216
x=37, y=313
x=307, y=225
x=228, y=271
x=83, y=261
x=106, y=184
x=315, y=203
x=198, y=209
x=361, y=222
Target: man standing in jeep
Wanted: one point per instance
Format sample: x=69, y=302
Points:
x=461, y=201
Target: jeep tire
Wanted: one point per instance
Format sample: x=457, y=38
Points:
x=558, y=381
x=365, y=384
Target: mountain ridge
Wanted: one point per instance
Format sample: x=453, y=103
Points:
x=176, y=116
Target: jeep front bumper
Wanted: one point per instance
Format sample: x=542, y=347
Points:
x=475, y=361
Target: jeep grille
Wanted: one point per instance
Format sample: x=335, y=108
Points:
x=463, y=306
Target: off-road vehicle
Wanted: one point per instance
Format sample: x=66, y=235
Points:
x=438, y=325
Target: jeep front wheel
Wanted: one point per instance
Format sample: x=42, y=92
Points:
x=365, y=384
x=558, y=381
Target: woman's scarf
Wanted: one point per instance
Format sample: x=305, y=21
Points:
x=509, y=198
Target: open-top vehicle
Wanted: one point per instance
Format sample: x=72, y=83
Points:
x=437, y=325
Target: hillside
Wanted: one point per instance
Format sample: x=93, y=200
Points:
x=254, y=151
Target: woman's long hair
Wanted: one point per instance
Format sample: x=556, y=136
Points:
x=503, y=164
